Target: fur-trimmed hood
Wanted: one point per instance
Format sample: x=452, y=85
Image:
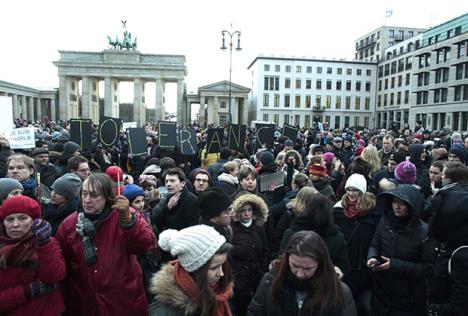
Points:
x=260, y=213
x=166, y=292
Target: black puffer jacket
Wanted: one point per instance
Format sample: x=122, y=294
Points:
x=422, y=171
x=405, y=242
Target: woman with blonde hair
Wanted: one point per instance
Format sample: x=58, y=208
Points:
x=370, y=155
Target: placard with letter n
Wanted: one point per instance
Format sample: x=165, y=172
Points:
x=80, y=132
x=109, y=129
x=236, y=137
x=214, y=140
x=137, y=141
x=264, y=134
x=289, y=132
x=188, y=141
x=167, y=134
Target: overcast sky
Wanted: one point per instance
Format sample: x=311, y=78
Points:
x=34, y=31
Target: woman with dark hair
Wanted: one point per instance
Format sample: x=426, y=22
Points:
x=199, y=282
x=303, y=282
x=357, y=219
x=318, y=216
x=100, y=244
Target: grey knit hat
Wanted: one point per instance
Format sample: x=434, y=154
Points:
x=68, y=186
x=70, y=147
x=7, y=185
x=193, y=246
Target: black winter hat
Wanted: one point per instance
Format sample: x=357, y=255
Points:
x=212, y=202
x=267, y=158
x=38, y=151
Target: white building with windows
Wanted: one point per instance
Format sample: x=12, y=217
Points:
x=300, y=91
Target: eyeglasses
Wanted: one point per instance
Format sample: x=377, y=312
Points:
x=201, y=180
x=352, y=190
x=84, y=170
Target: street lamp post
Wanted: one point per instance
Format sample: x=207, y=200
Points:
x=231, y=34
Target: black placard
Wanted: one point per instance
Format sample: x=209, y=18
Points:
x=214, y=140
x=80, y=132
x=109, y=129
x=264, y=134
x=188, y=141
x=289, y=132
x=137, y=141
x=167, y=134
x=236, y=137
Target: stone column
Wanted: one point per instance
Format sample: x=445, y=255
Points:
x=215, y=111
x=14, y=103
x=38, y=109
x=63, y=99
x=245, y=111
x=181, y=114
x=24, y=110
x=210, y=111
x=86, y=97
x=30, y=115
x=460, y=121
x=159, y=99
x=137, y=101
x=201, y=111
x=234, y=110
x=108, y=95
x=53, y=113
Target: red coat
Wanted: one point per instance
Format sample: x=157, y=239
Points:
x=113, y=285
x=12, y=280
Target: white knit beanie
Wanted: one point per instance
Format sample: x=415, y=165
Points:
x=357, y=181
x=193, y=246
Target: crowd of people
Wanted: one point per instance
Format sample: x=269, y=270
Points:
x=362, y=222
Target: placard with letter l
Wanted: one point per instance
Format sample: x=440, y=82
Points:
x=80, y=132
x=137, y=141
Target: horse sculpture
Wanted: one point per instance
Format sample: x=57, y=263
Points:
x=115, y=44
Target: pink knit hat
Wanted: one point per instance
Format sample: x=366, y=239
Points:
x=405, y=172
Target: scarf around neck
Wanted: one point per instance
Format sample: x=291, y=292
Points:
x=29, y=184
x=350, y=210
x=190, y=288
x=17, y=252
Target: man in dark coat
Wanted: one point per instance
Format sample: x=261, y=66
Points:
x=5, y=152
x=49, y=173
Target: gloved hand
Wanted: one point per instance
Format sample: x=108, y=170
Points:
x=38, y=289
x=42, y=230
x=123, y=207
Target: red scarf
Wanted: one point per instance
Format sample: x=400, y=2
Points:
x=187, y=284
x=17, y=252
x=350, y=210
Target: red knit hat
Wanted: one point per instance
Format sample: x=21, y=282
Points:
x=115, y=173
x=20, y=204
x=318, y=170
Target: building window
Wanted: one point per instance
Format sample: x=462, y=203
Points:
x=298, y=69
x=392, y=82
x=271, y=83
x=406, y=96
x=266, y=117
x=308, y=84
x=329, y=70
x=309, y=69
x=400, y=80
x=277, y=68
x=266, y=67
x=348, y=103
x=297, y=120
x=367, y=104
x=407, y=79
x=222, y=120
x=359, y=72
x=327, y=120
x=349, y=71
x=398, y=98
x=328, y=101
x=287, y=100
x=339, y=71
x=288, y=68
x=346, y=121
x=297, y=101
x=348, y=85
x=298, y=83
x=368, y=72
x=356, y=120
x=318, y=84
x=357, y=103
x=266, y=100
x=308, y=101
x=368, y=86
x=386, y=84
x=391, y=98
x=319, y=70
x=366, y=121
x=276, y=119
x=338, y=85
x=338, y=102
x=329, y=84
x=337, y=122
x=358, y=85
x=276, y=100
x=307, y=121
x=391, y=33
x=287, y=83
x=380, y=85
x=286, y=119
x=222, y=104
x=318, y=101
x=385, y=100
x=379, y=100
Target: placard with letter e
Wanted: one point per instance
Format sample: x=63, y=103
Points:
x=137, y=141
x=167, y=134
x=109, y=129
x=214, y=140
x=236, y=137
x=265, y=134
x=188, y=141
x=289, y=132
x=80, y=132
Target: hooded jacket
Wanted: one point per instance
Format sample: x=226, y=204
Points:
x=405, y=242
x=422, y=172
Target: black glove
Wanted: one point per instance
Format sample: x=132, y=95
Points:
x=38, y=289
x=42, y=230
